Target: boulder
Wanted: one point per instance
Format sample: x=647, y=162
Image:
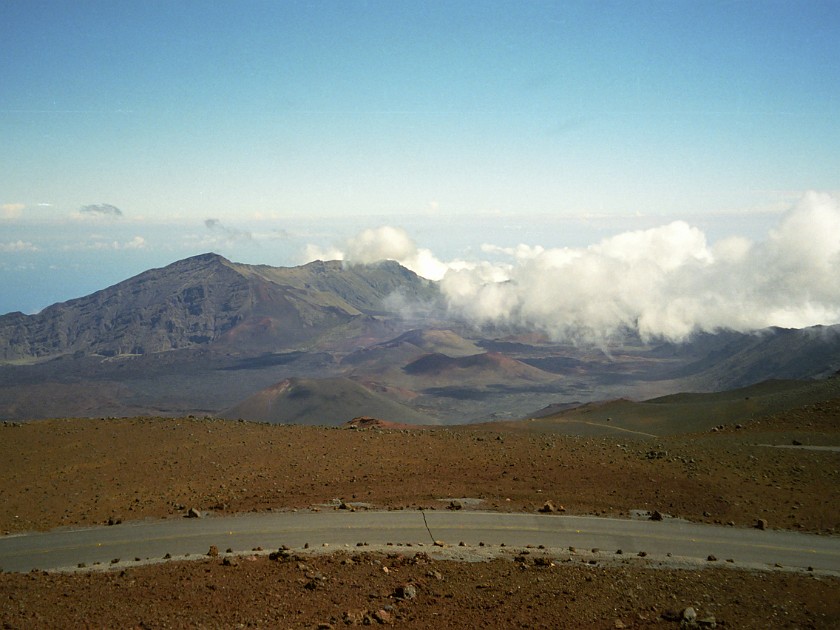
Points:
x=689, y=615
x=406, y=591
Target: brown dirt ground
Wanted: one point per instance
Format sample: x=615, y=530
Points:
x=84, y=472
x=343, y=589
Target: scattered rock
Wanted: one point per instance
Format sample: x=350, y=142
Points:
x=354, y=617
x=672, y=615
x=228, y=562
x=656, y=515
x=689, y=615
x=314, y=581
x=711, y=558
x=283, y=553
x=383, y=616
x=213, y=551
x=193, y=513
x=406, y=591
x=708, y=622
x=454, y=505
x=547, y=508
x=761, y=523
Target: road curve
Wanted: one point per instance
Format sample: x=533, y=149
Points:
x=151, y=540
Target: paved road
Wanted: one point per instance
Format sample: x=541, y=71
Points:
x=67, y=548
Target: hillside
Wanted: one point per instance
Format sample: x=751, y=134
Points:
x=730, y=360
x=485, y=368
x=409, y=347
x=207, y=300
x=203, y=334
x=325, y=402
x=682, y=413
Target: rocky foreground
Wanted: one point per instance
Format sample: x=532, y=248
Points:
x=86, y=472
x=407, y=589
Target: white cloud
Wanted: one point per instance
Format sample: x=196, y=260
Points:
x=12, y=210
x=98, y=211
x=666, y=281
x=389, y=243
x=383, y=243
x=314, y=252
x=227, y=234
x=138, y=242
x=99, y=243
x=18, y=246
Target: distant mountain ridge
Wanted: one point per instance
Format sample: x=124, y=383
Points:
x=204, y=335
x=206, y=300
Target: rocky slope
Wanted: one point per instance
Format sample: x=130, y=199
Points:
x=209, y=300
x=329, y=401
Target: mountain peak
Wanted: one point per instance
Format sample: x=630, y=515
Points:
x=207, y=299
x=202, y=259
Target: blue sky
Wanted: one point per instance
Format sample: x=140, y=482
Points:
x=290, y=123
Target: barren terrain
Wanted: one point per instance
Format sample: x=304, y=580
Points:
x=91, y=472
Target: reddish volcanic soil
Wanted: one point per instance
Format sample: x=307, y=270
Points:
x=85, y=472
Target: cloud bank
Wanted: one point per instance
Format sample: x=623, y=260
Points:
x=99, y=210
x=662, y=283
x=18, y=246
x=226, y=233
x=98, y=243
